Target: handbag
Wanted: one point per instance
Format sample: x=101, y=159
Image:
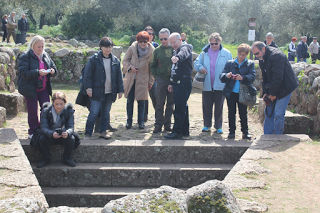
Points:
x=198, y=79
x=34, y=141
x=82, y=99
x=247, y=95
x=293, y=54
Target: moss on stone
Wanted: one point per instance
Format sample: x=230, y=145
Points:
x=207, y=203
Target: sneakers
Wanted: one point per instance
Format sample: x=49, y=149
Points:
x=246, y=136
x=87, y=137
x=220, y=131
x=69, y=162
x=206, y=129
x=104, y=135
x=30, y=136
x=43, y=163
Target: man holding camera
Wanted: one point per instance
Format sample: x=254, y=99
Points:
x=279, y=81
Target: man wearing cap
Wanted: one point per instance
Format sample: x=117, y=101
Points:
x=314, y=50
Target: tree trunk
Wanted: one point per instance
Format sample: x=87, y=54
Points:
x=42, y=16
x=31, y=18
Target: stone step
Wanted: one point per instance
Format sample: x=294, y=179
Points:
x=129, y=174
x=148, y=151
x=86, y=196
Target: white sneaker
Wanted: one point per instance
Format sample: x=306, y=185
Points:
x=30, y=136
x=87, y=137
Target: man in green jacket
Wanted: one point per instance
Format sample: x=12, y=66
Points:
x=161, y=69
x=12, y=25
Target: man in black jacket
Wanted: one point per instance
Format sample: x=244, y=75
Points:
x=279, y=81
x=302, y=50
x=180, y=85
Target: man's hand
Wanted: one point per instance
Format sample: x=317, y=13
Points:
x=272, y=98
x=89, y=92
x=174, y=59
x=170, y=88
x=120, y=95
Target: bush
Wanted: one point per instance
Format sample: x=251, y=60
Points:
x=50, y=31
x=92, y=22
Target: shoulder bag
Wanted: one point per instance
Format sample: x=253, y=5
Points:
x=198, y=79
x=247, y=95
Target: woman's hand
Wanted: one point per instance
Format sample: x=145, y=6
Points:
x=203, y=71
x=149, y=86
x=64, y=135
x=43, y=72
x=229, y=75
x=134, y=69
x=52, y=71
x=120, y=95
x=56, y=135
x=239, y=77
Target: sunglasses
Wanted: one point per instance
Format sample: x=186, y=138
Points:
x=257, y=53
x=151, y=33
x=163, y=39
x=143, y=42
x=214, y=44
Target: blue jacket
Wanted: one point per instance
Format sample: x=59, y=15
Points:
x=247, y=72
x=204, y=61
x=95, y=77
x=302, y=50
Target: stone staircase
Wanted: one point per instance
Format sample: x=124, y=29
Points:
x=108, y=170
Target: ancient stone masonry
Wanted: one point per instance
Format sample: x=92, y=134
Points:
x=7, y=69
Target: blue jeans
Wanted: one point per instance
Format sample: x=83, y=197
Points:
x=304, y=59
x=99, y=106
x=141, y=106
x=181, y=93
x=276, y=121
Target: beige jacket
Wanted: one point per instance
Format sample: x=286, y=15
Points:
x=314, y=48
x=11, y=22
x=143, y=77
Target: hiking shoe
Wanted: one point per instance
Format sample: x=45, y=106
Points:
x=43, y=163
x=167, y=128
x=111, y=129
x=157, y=129
x=220, y=131
x=104, y=135
x=86, y=137
x=206, y=129
x=173, y=136
x=69, y=162
x=232, y=135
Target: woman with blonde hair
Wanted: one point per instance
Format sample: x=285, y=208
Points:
x=138, y=78
x=34, y=81
x=239, y=70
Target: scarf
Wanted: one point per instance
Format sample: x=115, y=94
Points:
x=55, y=116
x=142, y=52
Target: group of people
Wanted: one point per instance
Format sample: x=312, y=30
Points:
x=9, y=25
x=167, y=68
x=301, y=51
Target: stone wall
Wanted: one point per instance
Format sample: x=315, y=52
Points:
x=7, y=69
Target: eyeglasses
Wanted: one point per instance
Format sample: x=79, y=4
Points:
x=151, y=33
x=214, y=44
x=174, y=42
x=143, y=42
x=163, y=39
x=257, y=53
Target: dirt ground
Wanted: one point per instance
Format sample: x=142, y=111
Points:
x=293, y=185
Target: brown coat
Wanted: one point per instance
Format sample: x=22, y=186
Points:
x=143, y=77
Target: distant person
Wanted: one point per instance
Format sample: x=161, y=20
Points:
x=180, y=85
x=292, y=49
x=302, y=50
x=57, y=126
x=269, y=40
x=211, y=62
x=161, y=69
x=152, y=91
x=184, y=38
x=314, y=49
x=243, y=71
x=103, y=82
x=4, y=27
x=34, y=81
x=23, y=27
x=279, y=81
x=138, y=78
x=11, y=26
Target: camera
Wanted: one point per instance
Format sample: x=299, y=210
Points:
x=39, y=84
x=59, y=131
x=233, y=77
x=267, y=100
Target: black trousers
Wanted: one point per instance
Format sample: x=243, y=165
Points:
x=232, y=101
x=46, y=142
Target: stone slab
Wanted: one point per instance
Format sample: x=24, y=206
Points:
x=13, y=102
x=100, y=151
x=129, y=174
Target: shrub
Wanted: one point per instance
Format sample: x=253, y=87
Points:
x=50, y=30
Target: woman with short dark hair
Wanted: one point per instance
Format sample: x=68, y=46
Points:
x=239, y=70
x=4, y=27
x=138, y=78
x=102, y=82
